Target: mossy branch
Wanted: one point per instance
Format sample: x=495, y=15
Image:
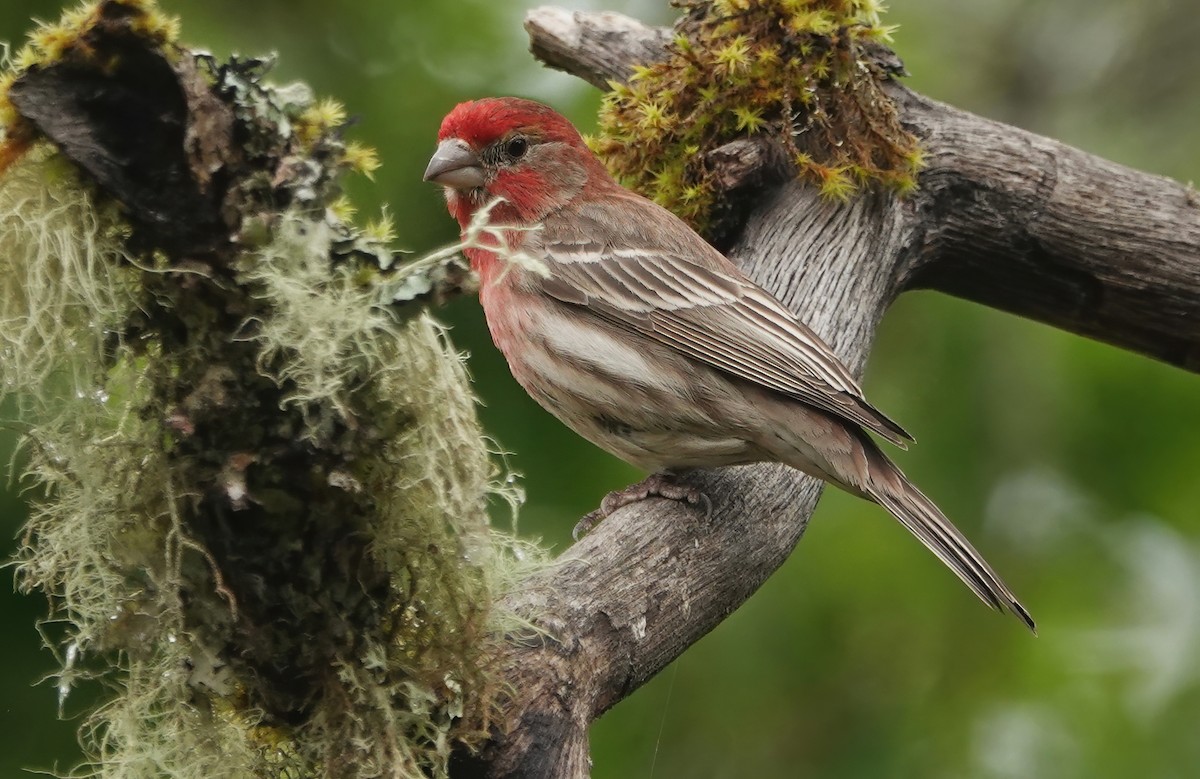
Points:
x=261, y=490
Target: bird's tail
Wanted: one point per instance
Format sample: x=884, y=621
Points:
x=889, y=487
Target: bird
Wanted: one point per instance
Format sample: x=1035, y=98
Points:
x=636, y=333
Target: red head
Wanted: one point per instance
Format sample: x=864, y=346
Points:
x=522, y=151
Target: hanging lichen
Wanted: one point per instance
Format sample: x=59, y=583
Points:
x=794, y=71
x=259, y=490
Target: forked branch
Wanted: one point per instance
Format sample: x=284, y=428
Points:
x=1004, y=217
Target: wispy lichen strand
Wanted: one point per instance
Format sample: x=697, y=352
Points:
x=61, y=254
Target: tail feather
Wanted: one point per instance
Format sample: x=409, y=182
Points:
x=890, y=488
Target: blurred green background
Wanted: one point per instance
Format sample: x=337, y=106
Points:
x=1074, y=466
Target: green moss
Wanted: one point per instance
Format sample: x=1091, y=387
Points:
x=792, y=70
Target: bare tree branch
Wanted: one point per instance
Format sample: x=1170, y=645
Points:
x=1030, y=225
x=596, y=47
x=1004, y=217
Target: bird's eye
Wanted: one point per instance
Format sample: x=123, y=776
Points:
x=516, y=147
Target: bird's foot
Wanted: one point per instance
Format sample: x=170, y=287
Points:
x=656, y=485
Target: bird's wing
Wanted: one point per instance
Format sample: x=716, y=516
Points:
x=709, y=311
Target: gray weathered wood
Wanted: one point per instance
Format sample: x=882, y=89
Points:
x=1004, y=217
x=1026, y=224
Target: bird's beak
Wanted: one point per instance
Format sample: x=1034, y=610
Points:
x=455, y=165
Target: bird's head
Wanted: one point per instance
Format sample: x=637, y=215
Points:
x=519, y=150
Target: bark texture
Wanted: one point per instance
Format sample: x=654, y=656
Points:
x=1004, y=217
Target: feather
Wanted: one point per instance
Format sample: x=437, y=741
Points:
x=681, y=292
x=890, y=488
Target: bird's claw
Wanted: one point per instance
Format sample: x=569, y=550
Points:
x=657, y=485
x=589, y=521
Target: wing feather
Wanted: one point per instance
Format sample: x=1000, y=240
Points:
x=690, y=298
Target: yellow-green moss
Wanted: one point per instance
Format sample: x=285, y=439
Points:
x=793, y=70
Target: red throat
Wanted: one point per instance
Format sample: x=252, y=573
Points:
x=487, y=265
x=460, y=207
x=495, y=295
